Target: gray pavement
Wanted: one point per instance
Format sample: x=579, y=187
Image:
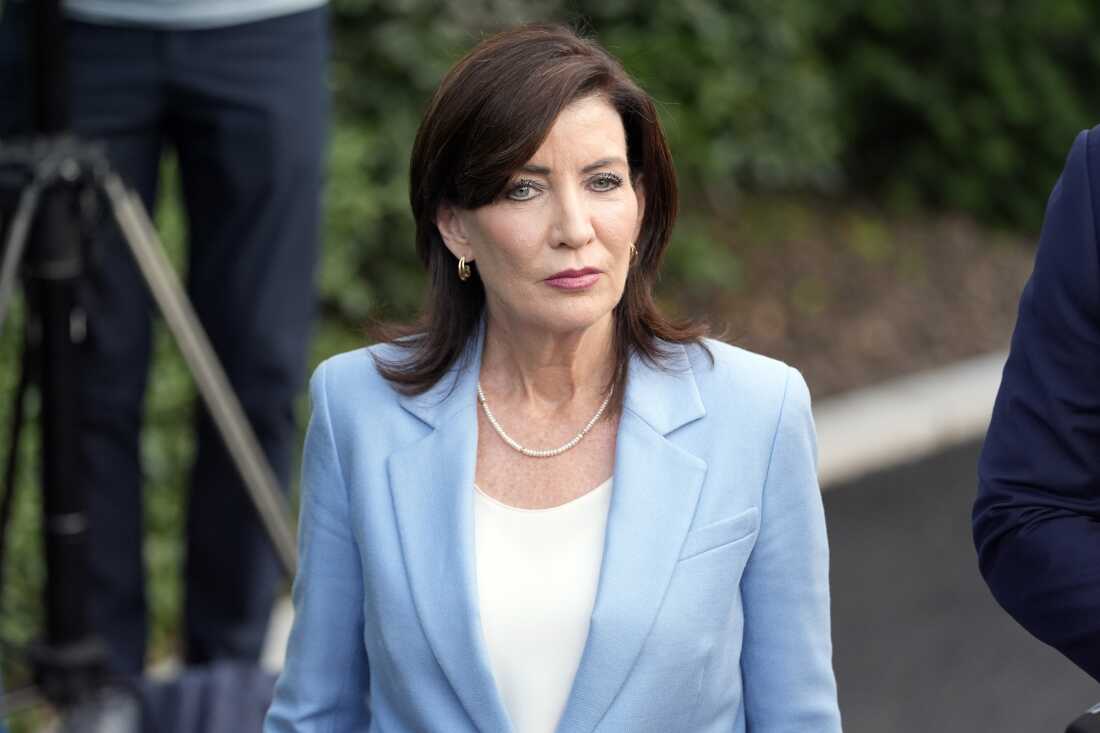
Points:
x=919, y=643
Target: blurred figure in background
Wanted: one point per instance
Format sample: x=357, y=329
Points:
x=238, y=89
x=1037, y=516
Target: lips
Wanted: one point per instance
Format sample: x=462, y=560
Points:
x=574, y=279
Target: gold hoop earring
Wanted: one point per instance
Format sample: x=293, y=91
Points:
x=463, y=269
x=633, y=252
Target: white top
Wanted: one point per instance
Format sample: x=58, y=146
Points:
x=537, y=571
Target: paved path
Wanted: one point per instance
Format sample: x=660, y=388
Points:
x=919, y=643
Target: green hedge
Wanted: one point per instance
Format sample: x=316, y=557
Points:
x=968, y=106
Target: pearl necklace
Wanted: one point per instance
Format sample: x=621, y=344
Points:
x=531, y=451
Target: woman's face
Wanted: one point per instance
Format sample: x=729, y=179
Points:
x=553, y=251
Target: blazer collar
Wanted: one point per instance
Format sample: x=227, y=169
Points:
x=454, y=390
x=656, y=488
x=664, y=398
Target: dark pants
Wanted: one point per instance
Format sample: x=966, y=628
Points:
x=246, y=109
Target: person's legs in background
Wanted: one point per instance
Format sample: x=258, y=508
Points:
x=249, y=117
x=116, y=98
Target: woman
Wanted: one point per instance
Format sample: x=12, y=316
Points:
x=547, y=507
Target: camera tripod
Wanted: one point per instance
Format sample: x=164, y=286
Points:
x=59, y=182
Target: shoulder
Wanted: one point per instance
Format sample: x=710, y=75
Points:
x=354, y=372
x=756, y=428
x=1085, y=151
x=1064, y=282
x=736, y=380
x=1075, y=194
x=351, y=390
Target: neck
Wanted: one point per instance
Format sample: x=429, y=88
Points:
x=547, y=371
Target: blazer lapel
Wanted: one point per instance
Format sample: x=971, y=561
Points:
x=432, y=484
x=656, y=488
x=653, y=501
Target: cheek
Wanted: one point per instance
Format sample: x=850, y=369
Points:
x=506, y=247
x=619, y=228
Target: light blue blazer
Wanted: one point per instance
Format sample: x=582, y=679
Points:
x=712, y=609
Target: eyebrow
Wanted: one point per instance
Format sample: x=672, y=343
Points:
x=602, y=162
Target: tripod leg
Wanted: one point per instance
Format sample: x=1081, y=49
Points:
x=15, y=245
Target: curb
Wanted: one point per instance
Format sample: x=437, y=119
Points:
x=905, y=419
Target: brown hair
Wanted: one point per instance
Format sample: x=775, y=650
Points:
x=488, y=117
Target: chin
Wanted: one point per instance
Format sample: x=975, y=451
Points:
x=575, y=317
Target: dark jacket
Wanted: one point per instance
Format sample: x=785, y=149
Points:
x=1037, y=516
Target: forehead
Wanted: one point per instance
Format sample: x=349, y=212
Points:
x=587, y=127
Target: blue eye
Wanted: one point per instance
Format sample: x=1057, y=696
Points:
x=606, y=182
x=524, y=190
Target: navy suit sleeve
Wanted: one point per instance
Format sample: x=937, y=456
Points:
x=1037, y=515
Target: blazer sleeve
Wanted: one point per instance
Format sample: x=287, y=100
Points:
x=1037, y=515
x=786, y=657
x=323, y=685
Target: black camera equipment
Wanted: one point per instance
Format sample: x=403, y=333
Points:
x=54, y=191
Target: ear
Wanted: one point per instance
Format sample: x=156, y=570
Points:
x=451, y=227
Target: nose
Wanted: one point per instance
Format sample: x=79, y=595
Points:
x=573, y=227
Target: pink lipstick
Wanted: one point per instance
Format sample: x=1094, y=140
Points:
x=574, y=279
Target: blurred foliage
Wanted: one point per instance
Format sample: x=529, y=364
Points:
x=21, y=602
x=968, y=106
